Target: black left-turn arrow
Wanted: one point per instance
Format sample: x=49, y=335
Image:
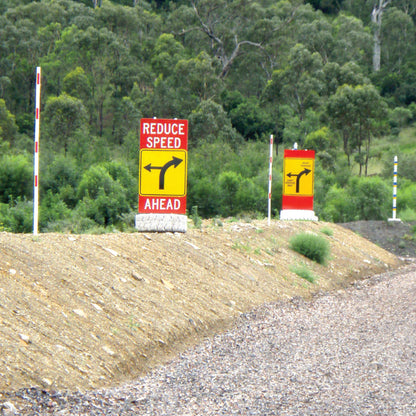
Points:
x=174, y=162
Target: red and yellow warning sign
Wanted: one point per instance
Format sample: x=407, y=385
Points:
x=298, y=179
x=163, y=166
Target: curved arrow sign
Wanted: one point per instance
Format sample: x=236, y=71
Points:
x=174, y=162
x=305, y=171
